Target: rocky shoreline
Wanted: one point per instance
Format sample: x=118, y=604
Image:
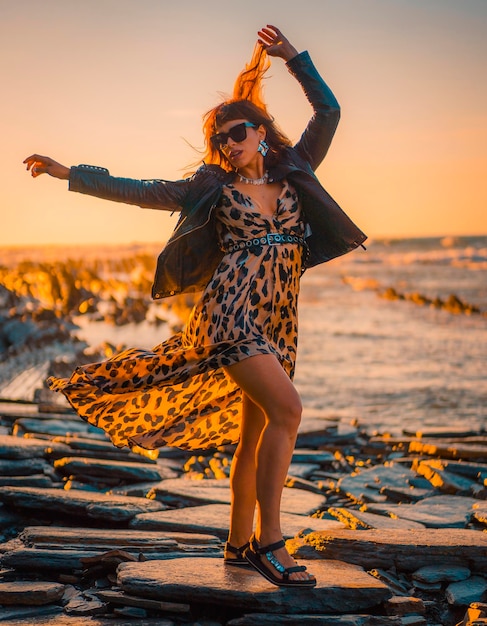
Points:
x=395, y=529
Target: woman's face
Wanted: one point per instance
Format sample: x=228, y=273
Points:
x=241, y=153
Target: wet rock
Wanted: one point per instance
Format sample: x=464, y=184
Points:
x=341, y=587
x=441, y=573
x=406, y=550
x=77, y=503
x=30, y=593
x=183, y=492
x=463, y=593
x=214, y=519
x=127, y=471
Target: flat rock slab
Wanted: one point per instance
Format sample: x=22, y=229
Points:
x=341, y=587
x=76, y=502
x=406, y=550
x=21, y=448
x=263, y=619
x=60, y=426
x=30, y=593
x=434, y=512
x=127, y=471
x=365, y=485
x=214, y=491
x=42, y=536
x=460, y=450
x=214, y=519
x=357, y=520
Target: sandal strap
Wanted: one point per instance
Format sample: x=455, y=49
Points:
x=270, y=548
x=237, y=551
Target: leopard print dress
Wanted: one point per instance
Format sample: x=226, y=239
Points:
x=179, y=394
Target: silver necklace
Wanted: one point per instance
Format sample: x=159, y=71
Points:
x=254, y=181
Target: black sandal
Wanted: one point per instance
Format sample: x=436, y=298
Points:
x=254, y=554
x=239, y=559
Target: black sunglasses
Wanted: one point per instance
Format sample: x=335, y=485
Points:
x=238, y=133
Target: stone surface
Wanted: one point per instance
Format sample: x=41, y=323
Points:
x=479, y=512
x=41, y=536
x=341, y=587
x=354, y=519
x=364, y=485
x=30, y=593
x=21, y=448
x=461, y=450
x=127, y=471
x=435, y=512
x=120, y=598
x=463, y=593
x=441, y=573
x=406, y=550
x=214, y=519
x=444, y=480
x=76, y=502
x=263, y=619
x=214, y=491
x=401, y=605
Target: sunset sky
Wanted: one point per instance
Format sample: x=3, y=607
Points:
x=124, y=83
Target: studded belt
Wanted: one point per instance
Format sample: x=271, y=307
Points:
x=269, y=239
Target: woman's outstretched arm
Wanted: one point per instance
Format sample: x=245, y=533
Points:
x=96, y=181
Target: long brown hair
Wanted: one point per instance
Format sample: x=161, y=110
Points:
x=247, y=103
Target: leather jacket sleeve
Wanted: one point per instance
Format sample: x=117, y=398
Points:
x=316, y=139
x=150, y=194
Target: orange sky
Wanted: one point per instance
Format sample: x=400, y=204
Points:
x=123, y=84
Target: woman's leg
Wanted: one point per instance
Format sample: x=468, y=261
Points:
x=264, y=381
x=243, y=475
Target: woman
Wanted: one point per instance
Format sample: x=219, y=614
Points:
x=253, y=217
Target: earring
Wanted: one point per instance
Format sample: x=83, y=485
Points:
x=263, y=148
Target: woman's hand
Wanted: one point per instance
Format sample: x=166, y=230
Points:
x=38, y=165
x=275, y=44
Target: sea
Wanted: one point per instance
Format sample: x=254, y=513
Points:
x=405, y=364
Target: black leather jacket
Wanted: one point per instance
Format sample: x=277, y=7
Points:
x=192, y=253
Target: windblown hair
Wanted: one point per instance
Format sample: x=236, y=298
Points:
x=247, y=103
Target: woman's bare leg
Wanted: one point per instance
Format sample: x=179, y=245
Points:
x=264, y=381
x=243, y=475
